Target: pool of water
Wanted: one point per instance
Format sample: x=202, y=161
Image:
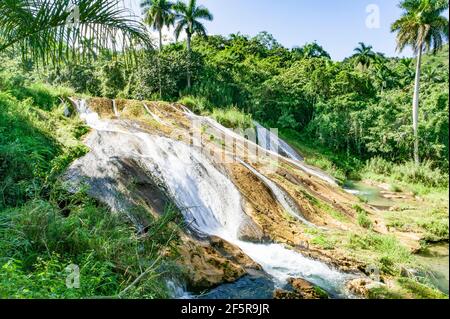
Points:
x=436, y=260
x=371, y=194
x=248, y=287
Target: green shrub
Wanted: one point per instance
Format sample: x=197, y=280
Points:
x=233, y=118
x=363, y=218
x=198, y=105
x=409, y=172
x=385, y=245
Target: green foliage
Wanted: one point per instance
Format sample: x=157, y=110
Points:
x=409, y=172
x=391, y=252
x=199, y=105
x=232, y=118
x=39, y=29
x=43, y=228
x=362, y=218
x=38, y=242
x=419, y=290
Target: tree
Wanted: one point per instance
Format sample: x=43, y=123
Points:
x=314, y=50
x=364, y=55
x=158, y=14
x=422, y=27
x=52, y=31
x=188, y=16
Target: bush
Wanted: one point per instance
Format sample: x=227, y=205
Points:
x=409, y=172
x=198, y=105
x=233, y=118
x=38, y=242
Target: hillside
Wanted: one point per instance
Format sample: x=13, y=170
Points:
x=139, y=170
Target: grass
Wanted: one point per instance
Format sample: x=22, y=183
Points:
x=198, y=105
x=406, y=288
x=420, y=178
x=430, y=220
x=362, y=218
x=232, y=118
x=336, y=164
x=43, y=228
x=384, y=251
x=38, y=242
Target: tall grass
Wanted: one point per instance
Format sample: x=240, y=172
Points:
x=43, y=229
x=233, y=118
x=409, y=172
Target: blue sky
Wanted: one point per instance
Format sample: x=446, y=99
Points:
x=337, y=25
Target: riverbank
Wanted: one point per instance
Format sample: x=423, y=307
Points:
x=398, y=221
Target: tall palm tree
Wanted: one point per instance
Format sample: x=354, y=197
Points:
x=51, y=31
x=158, y=14
x=424, y=28
x=188, y=16
x=364, y=55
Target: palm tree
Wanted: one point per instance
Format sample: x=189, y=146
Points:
x=364, y=55
x=422, y=27
x=52, y=31
x=158, y=14
x=188, y=16
x=314, y=50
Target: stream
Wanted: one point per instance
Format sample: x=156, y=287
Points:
x=436, y=259
x=212, y=205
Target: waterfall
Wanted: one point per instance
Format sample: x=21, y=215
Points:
x=271, y=142
x=211, y=204
x=297, y=163
x=155, y=117
x=116, y=113
x=281, y=196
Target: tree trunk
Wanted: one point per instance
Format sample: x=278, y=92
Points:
x=189, y=60
x=159, y=64
x=416, y=107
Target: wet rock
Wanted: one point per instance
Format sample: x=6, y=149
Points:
x=307, y=289
x=301, y=289
x=283, y=294
x=211, y=262
x=362, y=286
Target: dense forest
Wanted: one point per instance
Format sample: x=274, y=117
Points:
x=359, y=107
x=351, y=118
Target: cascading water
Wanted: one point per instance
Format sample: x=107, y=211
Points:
x=116, y=112
x=270, y=141
x=280, y=195
x=212, y=204
x=298, y=163
x=155, y=117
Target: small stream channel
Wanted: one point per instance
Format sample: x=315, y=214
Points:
x=435, y=259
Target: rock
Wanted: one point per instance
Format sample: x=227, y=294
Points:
x=211, y=262
x=283, y=294
x=306, y=289
x=302, y=289
x=362, y=286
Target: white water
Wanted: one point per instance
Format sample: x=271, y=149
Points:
x=270, y=141
x=212, y=204
x=116, y=113
x=280, y=195
x=299, y=164
x=155, y=117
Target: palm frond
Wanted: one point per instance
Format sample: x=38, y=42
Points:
x=51, y=31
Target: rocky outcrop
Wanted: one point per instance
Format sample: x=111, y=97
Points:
x=301, y=289
x=362, y=286
x=212, y=261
